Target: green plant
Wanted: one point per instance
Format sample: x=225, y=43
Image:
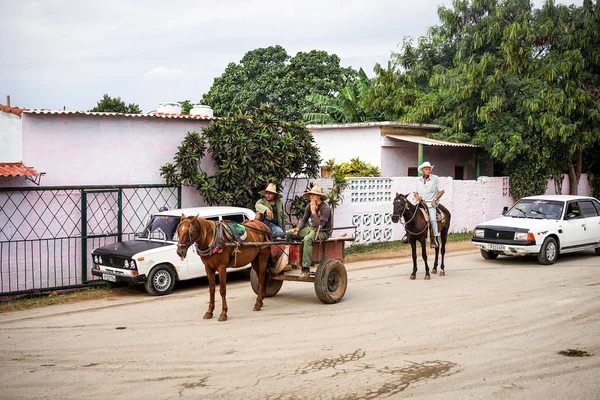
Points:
x=355, y=167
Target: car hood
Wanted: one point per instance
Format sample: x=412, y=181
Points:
x=520, y=223
x=130, y=248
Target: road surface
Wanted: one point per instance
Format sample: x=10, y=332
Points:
x=488, y=329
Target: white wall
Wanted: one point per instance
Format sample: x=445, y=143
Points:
x=10, y=138
x=343, y=144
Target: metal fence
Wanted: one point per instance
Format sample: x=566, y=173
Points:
x=47, y=234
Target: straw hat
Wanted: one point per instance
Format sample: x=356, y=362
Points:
x=426, y=164
x=315, y=190
x=271, y=188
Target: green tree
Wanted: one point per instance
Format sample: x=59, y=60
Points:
x=270, y=76
x=186, y=106
x=250, y=150
x=350, y=105
x=115, y=104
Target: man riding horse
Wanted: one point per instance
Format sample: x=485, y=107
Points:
x=428, y=189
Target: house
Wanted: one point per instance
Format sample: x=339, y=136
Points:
x=398, y=148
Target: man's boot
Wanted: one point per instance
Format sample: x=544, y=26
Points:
x=404, y=239
x=305, y=273
x=434, y=242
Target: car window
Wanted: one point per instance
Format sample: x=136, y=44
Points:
x=161, y=227
x=597, y=205
x=538, y=209
x=573, y=210
x=588, y=209
x=239, y=218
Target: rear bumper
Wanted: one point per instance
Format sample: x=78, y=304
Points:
x=121, y=278
x=508, y=249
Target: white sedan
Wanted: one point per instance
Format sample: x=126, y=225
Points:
x=545, y=226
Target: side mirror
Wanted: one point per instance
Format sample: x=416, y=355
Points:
x=570, y=216
x=504, y=210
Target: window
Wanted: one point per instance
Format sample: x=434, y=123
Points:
x=413, y=171
x=573, y=210
x=239, y=218
x=588, y=209
x=459, y=172
x=597, y=205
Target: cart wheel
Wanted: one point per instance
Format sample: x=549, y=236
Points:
x=331, y=281
x=272, y=288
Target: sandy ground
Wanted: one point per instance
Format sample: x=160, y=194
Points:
x=488, y=329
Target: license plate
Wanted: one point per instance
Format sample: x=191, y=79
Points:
x=110, y=278
x=495, y=247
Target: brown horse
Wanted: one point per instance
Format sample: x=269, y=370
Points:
x=416, y=227
x=211, y=239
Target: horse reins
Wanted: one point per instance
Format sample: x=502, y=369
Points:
x=413, y=217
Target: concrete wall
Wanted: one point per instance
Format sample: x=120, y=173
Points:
x=10, y=138
x=368, y=203
x=344, y=144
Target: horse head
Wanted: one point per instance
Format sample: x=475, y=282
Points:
x=188, y=234
x=400, y=205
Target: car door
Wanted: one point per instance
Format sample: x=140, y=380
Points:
x=592, y=221
x=573, y=227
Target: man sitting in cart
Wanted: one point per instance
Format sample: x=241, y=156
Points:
x=318, y=217
x=270, y=208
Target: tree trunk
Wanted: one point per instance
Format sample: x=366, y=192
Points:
x=575, y=172
x=558, y=183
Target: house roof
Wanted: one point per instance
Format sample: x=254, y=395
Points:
x=428, y=142
x=16, y=169
x=383, y=124
x=114, y=114
x=11, y=110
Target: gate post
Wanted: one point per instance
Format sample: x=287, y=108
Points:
x=84, y=251
x=120, y=215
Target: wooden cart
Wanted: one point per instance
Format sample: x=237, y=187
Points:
x=328, y=272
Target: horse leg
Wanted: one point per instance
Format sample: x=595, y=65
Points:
x=210, y=274
x=259, y=266
x=424, y=255
x=435, y=263
x=223, y=291
x=413, y=247
x=444, y=238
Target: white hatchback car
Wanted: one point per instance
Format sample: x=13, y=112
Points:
x=151, y=258
x=545, y=226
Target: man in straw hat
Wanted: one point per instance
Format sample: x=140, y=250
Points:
x=270, y=208
x=428, y=189
x=318, y=217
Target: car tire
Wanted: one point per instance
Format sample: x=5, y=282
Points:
x=548, y=252
x=488, y=255
x=160, y=281
x=597, y=251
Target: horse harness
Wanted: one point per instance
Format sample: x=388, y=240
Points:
x=440, y=216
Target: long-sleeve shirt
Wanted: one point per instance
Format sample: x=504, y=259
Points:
x=321, y=218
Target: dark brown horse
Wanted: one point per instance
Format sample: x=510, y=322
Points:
x=416, y=227
x=212, y=241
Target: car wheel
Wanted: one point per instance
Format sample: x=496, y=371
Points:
x=160, y=281
x=488, y=255
x=548, y=252
x=597, y=251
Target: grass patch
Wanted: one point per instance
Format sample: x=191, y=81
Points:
x=53, y=298
x=398, y=245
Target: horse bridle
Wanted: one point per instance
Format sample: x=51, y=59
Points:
x=192, y=240
x=411, y=218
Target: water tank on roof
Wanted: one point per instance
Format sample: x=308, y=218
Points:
x=169, y=107
x=200, y=109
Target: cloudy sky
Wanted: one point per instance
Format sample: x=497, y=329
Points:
x=68, y=53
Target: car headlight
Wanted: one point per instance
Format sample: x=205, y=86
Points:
x=522, y=236
x=95, y=258
x=126, y=264
x=479, y=233
x=132, y=264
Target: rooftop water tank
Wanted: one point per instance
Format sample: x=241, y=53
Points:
x=203, y=110
x=169, y=107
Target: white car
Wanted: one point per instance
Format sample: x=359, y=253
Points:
x=152, y=259
x=545, y=226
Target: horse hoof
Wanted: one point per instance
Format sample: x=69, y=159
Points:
x=427, y=277
x=442, y=273
x=222, y=318
x=256, y=308
x=412, y=277
x=434, y=271
x=207, y=315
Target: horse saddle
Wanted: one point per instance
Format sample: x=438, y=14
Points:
x=234, y=232
x=441, y=217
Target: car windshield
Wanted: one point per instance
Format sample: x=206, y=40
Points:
x=539, y=209
x=161, y=228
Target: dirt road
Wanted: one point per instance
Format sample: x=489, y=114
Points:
x=489, y=329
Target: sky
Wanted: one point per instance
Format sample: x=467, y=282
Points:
x=57, y=54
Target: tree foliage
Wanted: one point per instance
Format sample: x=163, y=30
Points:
x=115, y=104
x=350, y=105
x=186, y=106
x=521, y=83
x=356, y=167
x=270, y=76
x=250, y=149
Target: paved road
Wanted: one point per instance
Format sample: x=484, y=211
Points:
x=489, y=329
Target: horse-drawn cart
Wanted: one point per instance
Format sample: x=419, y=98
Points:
x=328, y=272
